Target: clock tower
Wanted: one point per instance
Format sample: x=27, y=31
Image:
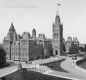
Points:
x=57, y=36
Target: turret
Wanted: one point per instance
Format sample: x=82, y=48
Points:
x=11, y=32
x=12, y=29
x=34, y=34
x=15, y=36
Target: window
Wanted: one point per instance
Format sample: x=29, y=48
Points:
x=6, y=48
x=23, y=54
x=34, y=43
x=24, y=49
x=14, y=58
x=26, y=54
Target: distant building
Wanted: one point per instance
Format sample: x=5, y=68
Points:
x=72, y=46
x=82, y=47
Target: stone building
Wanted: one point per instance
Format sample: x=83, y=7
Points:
x=8, y=40
x=57, y=40
x=47, y=46
x=26, y=47
x=30, y=47
x=72, y=45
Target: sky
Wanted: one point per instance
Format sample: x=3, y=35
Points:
x=40, y=14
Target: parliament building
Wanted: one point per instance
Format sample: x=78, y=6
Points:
x=28, y=47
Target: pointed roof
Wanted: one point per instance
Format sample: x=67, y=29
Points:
x=12, y=27
x=34, y=30
x=57, y=18
x=57, y=14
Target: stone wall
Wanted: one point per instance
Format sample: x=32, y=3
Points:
x=75, y=65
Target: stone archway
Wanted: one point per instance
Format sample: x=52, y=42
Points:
x=56, y=52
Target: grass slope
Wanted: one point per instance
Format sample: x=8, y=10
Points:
x=56, y=66
x=30, y=75
x=83, y=65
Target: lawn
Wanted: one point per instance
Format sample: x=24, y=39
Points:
x=56, y=66
x=30, y=75
x=9, y=64
x=83, y=65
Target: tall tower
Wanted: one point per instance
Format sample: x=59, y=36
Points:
x=57, y=36
x=8, y=40
x=34, y=34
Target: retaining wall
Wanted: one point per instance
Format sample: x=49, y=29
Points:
x=80, y=61
x=78, y=67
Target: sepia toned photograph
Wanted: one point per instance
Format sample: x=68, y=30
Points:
x=42, y=40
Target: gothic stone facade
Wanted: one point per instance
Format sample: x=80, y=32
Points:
x=27, y=46
x=30, y=47
x=72, y=46
x=57, y=40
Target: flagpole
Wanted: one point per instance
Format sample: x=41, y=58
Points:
x=57, y=7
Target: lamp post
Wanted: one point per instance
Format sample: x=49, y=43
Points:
x=19, y=65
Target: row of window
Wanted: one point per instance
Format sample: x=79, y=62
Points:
x=24, y=54
x=23, y=59
x=17, y=54
x=24, y=49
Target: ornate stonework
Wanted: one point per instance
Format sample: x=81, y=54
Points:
x=57, y=36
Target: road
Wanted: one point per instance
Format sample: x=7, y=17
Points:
x=66, y=65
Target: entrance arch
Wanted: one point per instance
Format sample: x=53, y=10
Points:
x=56, y=52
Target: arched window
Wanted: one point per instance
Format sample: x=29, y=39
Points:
x=56, y=52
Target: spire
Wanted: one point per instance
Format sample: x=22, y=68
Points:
x=34, y=33
x=33, y=30
x=12, y=27
x=57, y=19
x=57, y=14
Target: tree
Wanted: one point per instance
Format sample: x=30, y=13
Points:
x=2, y=57
x=81, y=49
x=63, y=48
x=85, y=48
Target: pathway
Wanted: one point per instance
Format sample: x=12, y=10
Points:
x=67, y=65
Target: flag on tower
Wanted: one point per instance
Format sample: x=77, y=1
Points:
x=58, y=4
